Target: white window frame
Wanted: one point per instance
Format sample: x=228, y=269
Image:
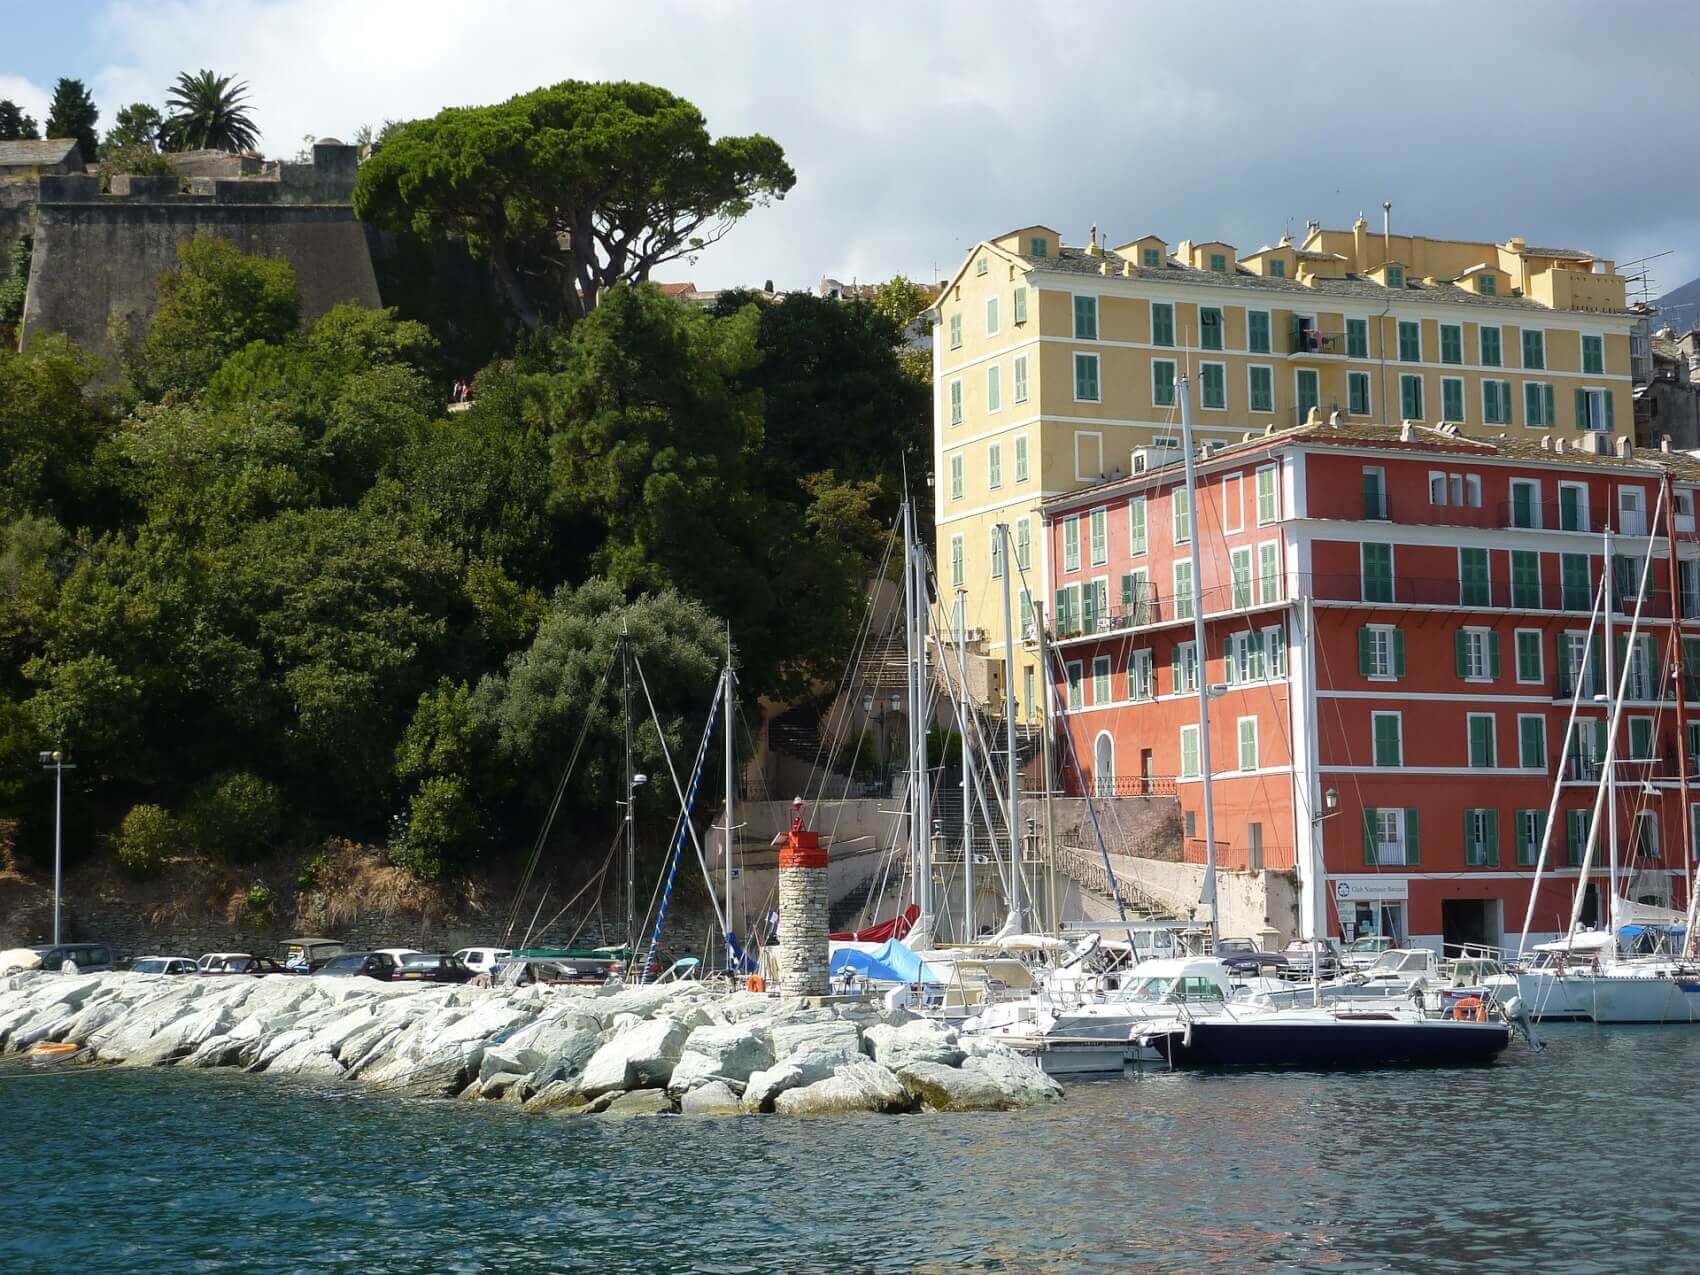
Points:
x=1522, y=763
x=994, y=466
x=1493, y=741
x=1477, y=640
x=994, y=389
x=1399, y=718
x=1463, y=398
x=1593, y=394
x=1273, y=476
x=1074, y=675
x=1221, y=367
x=1581, y=504
x=1266, y=595
x=1180, y=506
x=1137, y=529
x=956, y=486
x=1390, y=852
x=1071, y=543
x=1528, y=418
x=1098, y=525
x=1445, y=488
x=1073, y=316
x=1018, y=379
x=1503, y=391
x=1418, y=378
x=1540, y=657
x=1523, y=346
x=955, y=328
x=1018, y=306
x=1024, y=544
x=1382, y=647
x=1250, y=393
x=1101, y=676
x=955, y=393
x=1236, y=556
x=1140, y=674
x=1233, y=503
x=1519, y=483
x=1182, y=600
x=1020, y=445
x=958, y=562
x=1275, y=652
x=1098, y=376
x=1268, y=327
x=1198, y=755
x=1369, y=393
x=991, y=316
x=1240, y=725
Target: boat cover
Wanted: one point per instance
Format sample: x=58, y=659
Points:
x=891, y=962
x=897, y=927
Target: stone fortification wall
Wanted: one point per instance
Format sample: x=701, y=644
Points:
x=99, y=257
x=17, y=215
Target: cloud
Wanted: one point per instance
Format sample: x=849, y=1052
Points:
x=917, y=129
x=30, y=97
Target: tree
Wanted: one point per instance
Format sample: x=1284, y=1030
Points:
x=216, y=301
x=903, y=302
x=136, y=126
x=208, y=112
x=15, y=126
x=570, y=189
x=73, y=114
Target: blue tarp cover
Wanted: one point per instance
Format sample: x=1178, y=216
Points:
x=891, y=962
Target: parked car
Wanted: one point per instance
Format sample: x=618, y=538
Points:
x=164, y=965
x=399, y=954
x=87, y=958
x=209, y=959
x=240, y=963
x=1363, y=952
x=379, y=965
x=1298, y=954
x=308, y=954
x=482, y=960
x=425, y=967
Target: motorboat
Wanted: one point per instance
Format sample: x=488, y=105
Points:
x=1344, y=1036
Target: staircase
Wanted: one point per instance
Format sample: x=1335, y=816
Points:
x=1086, y=869
x=848, y=911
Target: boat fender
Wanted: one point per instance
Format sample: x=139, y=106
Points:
x=756, y=983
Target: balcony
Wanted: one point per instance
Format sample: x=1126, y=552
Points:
x=1307, y=341
x=1151, y=609
x=1230, y=858
x=1549, y=515
x=1449, y=591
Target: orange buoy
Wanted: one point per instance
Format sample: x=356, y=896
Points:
x=756, y=983
x=54, y=1049
x=1470, y=1007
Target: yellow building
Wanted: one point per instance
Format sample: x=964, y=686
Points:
x=1054, y=367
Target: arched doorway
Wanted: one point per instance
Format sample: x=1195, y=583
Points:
x=1104, y=765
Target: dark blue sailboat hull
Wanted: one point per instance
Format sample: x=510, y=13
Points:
x=1332, y=1044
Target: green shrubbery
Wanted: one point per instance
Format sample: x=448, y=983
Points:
x=146, y=838
x=237, y=816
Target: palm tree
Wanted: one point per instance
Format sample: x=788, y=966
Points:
x=207, y=113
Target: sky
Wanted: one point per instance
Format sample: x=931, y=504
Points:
x=917, y=129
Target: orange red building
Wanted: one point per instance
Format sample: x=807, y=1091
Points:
x=1398, y=615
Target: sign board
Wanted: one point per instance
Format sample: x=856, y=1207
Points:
x=1371, y=889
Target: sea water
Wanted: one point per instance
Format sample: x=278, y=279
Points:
x=1575, y=1159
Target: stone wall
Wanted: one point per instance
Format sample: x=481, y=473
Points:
x=17, y=216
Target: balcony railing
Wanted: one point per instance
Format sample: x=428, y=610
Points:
x=1167, y=608
x=1549, y=515
x=1498, y=594
x=1304, y=340
x=1230, y=858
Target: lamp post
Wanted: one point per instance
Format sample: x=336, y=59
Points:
x=55, y=761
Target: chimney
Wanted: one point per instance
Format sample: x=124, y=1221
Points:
x=1664, y=443
x=1625, y=448
x=1360, y=248
x=1546, y=442
x=1313, y=418
x=1387, y=230
x=1558, y=444
x=1334, y=419
x=1405, y=431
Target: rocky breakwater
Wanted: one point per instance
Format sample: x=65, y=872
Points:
x=679, y=1047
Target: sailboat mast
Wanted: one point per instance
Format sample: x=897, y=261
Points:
x=1611, y=744
x=631, y=792
x=726, y=843
x=1200, y=663
x=1017, y=892
x=920, y=827
x=967, y=778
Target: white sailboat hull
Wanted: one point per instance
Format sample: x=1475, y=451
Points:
x=1642, y=997
x=1548, y=995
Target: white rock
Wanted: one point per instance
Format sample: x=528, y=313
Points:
x=182, y=1036
x=862, y=1085
x=763, y=1087
x=727, y=1053
x=1022, y=1081
x=937, y=1087
x=712, y=1099
x=916, y=1041
x=641, y=1058
x=832, y=1035
x=640, y=1102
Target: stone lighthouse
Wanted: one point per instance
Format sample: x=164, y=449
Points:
x=804, y=951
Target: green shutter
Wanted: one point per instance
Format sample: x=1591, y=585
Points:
x=1363, y=653
x=1522, y=838
x=1581, y=409
x=1493, y=838
x=1229, y=672
x=1547, y=401
x=1369, y=835
x=1398, y=652
x=1175, y=668
x=1471, y=854
x=1609, y=420
x=1493, y=655
x=1461, y=653
x=1413, y=846
x=1564, y=670
x=1127, y=593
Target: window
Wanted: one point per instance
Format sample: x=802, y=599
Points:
x=994, y=465
x=956, y=331
x=1136, y=525
x=1357, y=338
x=1377, y=572
x=991, y=316
x=1375, y=493
x=1640, y=662
x=1262, y=385
x=1627, y=572
x=1391, y=837
x=1575, y=652
x=1275, y=650
x=1036, y=246
x=1162, y=323
x=1537, y=405
x=1163, y=382
x=1027, y=696
x=1243, y=658
x=956, y=477
x=1593, y=355
x=1388, y=733
x=1021, y=459
x=1451, y=399
x=1101, y=679
x=1532, y=741
x=956, y=402
x=1357, y=393
x=958, y=572
x=1018, y=307
x=1526, y=579
x=1268, y=497
x=1534, y=348
x=1023, y=545
x=1573, y=507
x=1240, y=567
x=1436, y=487
x=1086, y=318
x=1180, y=508
x=1100, y=524
x=1219, y=262
x=1018, y=377
x=1481, y=838
x=980, y=266
x=1257, y=331
x=1076, y=696
x=1410, y=341
x=1577, y=827
x=1209, y=328
x=1481, y=741
x=1150, y=257
x=1184, y=667
x=1395, y=276
x=1307, y=392
x=1233, y=503
x=1136, y=598
x=1214, y=379
x=1411, y=397
x=1492, y=348
x=1487, y=285
x=1139, y=675
x=1531, y=832
x=1381, y=652
x=995, y=552
x=1640, y=738
x=1525, y=503
x=1477, y=652
x=1496, y=402
x=1183, y=590
x=1451, y=343
x=1189, y=752
x=1071, y=544
x=1086, y=378
x=994, y=389
x=1574, y=582
x=1529, y=668
x=1473, y=582
x=1248, y=743
x=1095, y=605
x=1277, y=268
x=1269, y=572
x=1067, y=614
x=1593, y=409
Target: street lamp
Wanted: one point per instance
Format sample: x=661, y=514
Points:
x=55, y=761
